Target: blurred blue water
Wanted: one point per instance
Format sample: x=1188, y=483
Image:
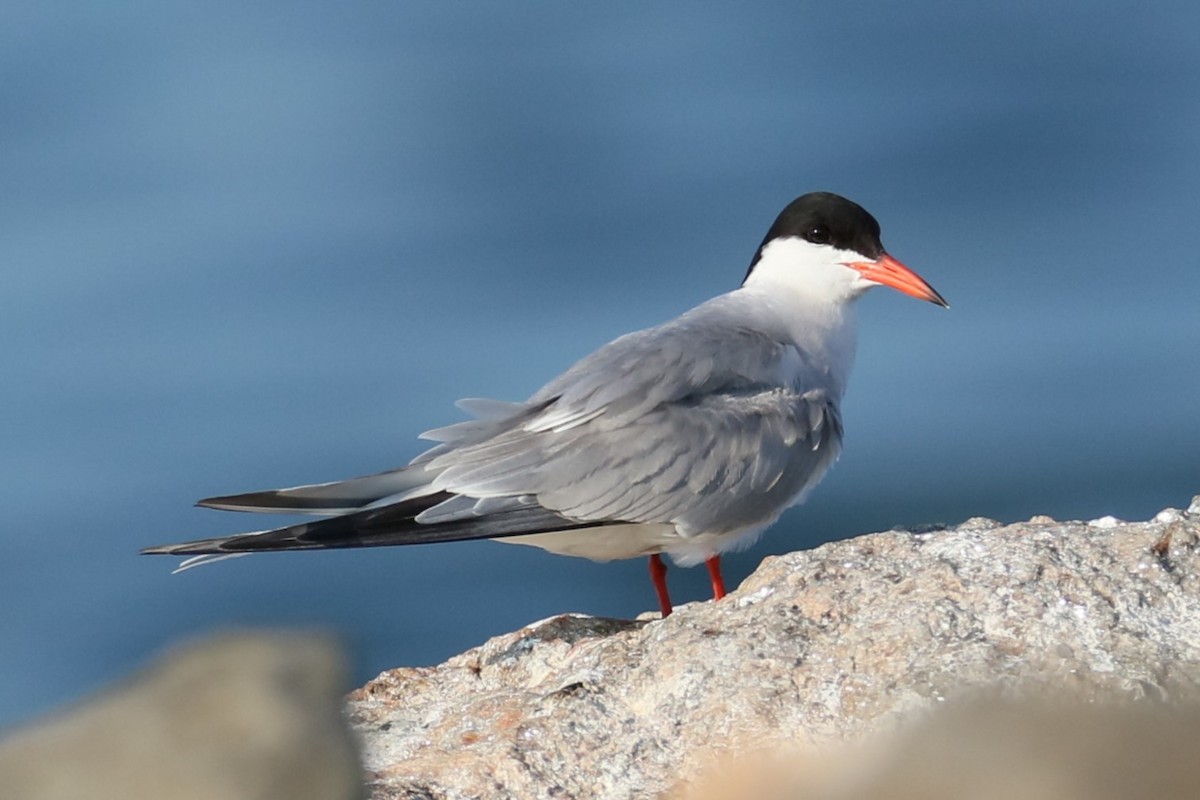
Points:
x=250, y=247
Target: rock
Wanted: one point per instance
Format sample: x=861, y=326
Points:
x=241, y=716
x=1043, y=748
x=828, y=645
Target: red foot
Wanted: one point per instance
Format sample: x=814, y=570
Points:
x=658, y=574
x=714, y=572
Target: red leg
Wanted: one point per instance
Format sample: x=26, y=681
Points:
x=658, y=574
x=714, y=572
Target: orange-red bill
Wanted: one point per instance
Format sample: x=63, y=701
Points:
x=890, y=272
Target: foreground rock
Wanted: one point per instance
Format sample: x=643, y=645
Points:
x=239, y=717
x=986, y=748
x=816, y=647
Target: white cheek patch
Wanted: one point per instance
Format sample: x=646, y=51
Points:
x=817, y=270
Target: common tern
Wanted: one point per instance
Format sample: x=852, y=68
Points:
x=688, y=438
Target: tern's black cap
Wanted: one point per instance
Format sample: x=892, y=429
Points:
x=825, y=218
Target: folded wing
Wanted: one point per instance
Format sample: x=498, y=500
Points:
x=708, y=428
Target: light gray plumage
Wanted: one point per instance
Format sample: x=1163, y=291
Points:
x=712, y=423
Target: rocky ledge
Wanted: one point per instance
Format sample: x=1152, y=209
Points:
x=822, y=646
x=815, y=654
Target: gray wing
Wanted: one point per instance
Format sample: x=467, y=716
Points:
x=702, y=424
x=711, y=428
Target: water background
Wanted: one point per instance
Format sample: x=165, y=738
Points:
x=245, y=246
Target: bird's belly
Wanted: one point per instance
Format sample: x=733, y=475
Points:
x=604, y=542
x=615, y=542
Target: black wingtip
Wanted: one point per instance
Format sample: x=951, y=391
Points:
x=201, y=547
x=256, y=501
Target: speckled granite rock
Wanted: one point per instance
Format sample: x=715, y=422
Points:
x=818, y=646
x=236, y=717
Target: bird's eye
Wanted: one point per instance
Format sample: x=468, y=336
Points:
x=817, y=234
